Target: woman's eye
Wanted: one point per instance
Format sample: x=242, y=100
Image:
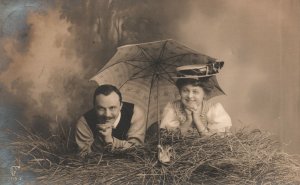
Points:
x=184, y=91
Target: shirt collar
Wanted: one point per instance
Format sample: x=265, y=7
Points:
x=117, y=121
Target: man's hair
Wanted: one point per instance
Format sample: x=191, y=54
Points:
x=106, y=90
x=205, y=83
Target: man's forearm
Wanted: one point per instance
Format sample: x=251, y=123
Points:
x=117, y=143
x=83, y=137
x=98, y=145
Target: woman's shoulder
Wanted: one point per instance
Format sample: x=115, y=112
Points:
x=176, y=103
x=211, y=106
x=216, y=109
x=212, y=103
x=175, y=107
x=173, y=104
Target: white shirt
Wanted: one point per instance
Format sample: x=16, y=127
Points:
x=117, y=121
x=213, y=116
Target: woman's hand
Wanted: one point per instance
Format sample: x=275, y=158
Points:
x=193, y=111
x=192, y=106
x=196, y=118
x=189, y=116
x=184, y=127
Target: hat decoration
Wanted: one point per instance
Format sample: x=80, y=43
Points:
x=199, y=70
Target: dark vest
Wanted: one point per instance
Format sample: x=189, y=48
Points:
x=120, y=132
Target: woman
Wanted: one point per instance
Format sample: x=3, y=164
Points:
x=193, y=110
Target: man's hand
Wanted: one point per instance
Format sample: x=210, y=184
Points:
x=105, y=130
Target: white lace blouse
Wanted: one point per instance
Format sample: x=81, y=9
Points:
x=213, y=116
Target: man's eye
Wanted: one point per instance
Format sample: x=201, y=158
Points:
x=184, y=91
x=100, y=108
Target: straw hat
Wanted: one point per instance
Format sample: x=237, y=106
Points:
x=199, y=70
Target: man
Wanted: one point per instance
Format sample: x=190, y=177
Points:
x=111, y=122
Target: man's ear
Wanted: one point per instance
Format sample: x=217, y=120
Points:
x=121, y=105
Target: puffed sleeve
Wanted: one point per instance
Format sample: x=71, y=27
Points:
x=169, y=119
x=218, y=119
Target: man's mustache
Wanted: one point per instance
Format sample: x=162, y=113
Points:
x=106, y=118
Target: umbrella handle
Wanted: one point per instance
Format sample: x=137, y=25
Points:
x=158, y=140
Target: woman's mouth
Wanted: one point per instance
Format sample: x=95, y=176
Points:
x=190, y=100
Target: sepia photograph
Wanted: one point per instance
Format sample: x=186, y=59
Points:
x=150, y=92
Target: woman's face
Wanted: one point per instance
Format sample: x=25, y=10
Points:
x=191, y=96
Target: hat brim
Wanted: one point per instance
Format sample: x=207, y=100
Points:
x=193, y=76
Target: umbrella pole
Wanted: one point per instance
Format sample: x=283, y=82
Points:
x=158, y=111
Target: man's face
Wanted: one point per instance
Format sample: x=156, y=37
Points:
x=108, y=107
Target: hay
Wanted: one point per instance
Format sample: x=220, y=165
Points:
x=245, y=157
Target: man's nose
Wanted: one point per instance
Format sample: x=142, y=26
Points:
x=108, y=113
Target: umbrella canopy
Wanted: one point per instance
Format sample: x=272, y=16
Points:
x=145, y=73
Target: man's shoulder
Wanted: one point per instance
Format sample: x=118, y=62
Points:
x=127, y=104
x=89, y=112
x=88, y=115
x=136, y=110
x=128, y=108
x=133, y=106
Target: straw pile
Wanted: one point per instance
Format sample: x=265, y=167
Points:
x=244, y=157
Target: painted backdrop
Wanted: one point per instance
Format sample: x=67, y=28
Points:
x=49, y=50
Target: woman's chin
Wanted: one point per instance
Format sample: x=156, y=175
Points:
x=190, y=104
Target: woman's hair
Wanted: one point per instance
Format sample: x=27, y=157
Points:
x=205, y=83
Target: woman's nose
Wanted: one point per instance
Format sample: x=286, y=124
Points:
x=190, y=95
